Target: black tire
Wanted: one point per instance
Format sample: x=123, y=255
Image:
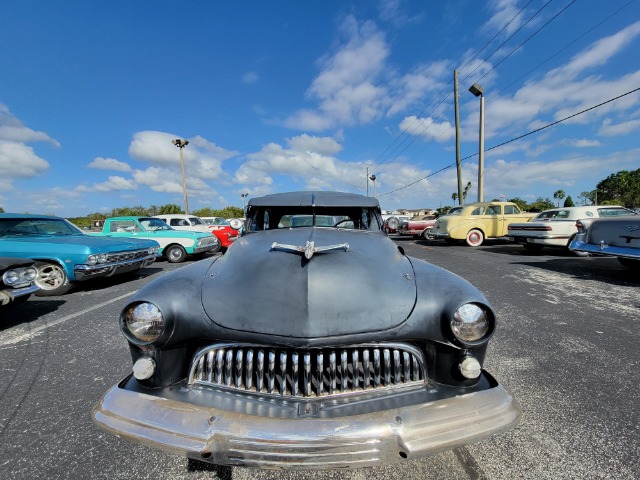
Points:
x=475, y=237
x=532, y=247
x=426, y=234
x=175, y=254
x=52, y=279
x=630, y=263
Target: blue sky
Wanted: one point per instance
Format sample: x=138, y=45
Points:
x=291, y=95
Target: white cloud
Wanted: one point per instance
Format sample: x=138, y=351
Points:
x=12, y=129
x=505, y=15
x=609, y=129
x=200, y=155
x=113, y=183
x=306, y=159
x=20, y=161
x=428, y=129
x=250, y=77
x=102, y=163
x=348, y=88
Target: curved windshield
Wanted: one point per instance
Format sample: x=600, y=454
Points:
x=278, y=217
x=151, y=223
x=37, y=226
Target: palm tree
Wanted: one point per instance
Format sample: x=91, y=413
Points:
x=465, y=192
x=454, y=197
x=559, y=195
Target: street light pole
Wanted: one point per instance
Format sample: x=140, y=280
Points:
x=367, y=181
x=479, y=92
x=244, y=196
x=181, y=144
x=373, y=179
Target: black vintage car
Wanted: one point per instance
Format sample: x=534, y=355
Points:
x=17, y=277
x=314, y=343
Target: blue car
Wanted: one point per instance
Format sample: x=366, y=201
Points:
x=64, y=255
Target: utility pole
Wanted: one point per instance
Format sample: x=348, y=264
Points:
x=458, y=166
x=367, y=181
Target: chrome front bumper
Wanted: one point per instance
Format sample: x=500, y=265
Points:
x=440, y=234
x=22, y=291
x=226, y=437
x=84, y=272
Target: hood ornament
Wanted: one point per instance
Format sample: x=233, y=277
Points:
x=309, y=249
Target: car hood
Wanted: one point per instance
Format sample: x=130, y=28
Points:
x=92, y=243
x=274, y=291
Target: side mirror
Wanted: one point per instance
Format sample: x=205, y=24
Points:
x=235, y=224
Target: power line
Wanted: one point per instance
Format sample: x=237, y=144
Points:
x=408, y=135
x=514, y=139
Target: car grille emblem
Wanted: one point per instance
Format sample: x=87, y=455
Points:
x=309, y=249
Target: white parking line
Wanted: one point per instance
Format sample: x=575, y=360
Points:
x=25, y=334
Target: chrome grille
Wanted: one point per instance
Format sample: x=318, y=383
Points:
x=119, y=256
x=317, y=372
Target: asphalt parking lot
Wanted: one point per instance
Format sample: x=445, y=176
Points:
x=566, y=346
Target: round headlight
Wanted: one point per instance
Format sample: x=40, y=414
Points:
x=92, y=260
x=144, y=322
x=30, y=273
x=470, y=323
x=10, y=277
x=102, y=258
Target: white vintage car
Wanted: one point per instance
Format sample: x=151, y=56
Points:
x=556, y=227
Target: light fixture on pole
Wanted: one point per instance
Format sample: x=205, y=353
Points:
x=181, y=144
x=244, y=196
x=479, y=92
x=373, y=179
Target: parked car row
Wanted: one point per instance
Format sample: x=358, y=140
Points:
x=174, y=244
x=63, y=254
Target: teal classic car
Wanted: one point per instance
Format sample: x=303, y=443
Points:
x=64, y=254
x=175, y=245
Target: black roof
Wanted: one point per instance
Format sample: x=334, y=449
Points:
x=314, y=199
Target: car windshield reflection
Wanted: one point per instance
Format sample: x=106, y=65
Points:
x=33, y=227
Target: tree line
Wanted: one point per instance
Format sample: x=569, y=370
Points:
x=140, y=211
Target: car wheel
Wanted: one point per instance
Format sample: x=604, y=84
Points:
x=392, y=223
x=475, y=238
x=630, y=263
x=426, y=234
x=218, y=248
x=52, y=279
x=175, y=254
x=532, y=247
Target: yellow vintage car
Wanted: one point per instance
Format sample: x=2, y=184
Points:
x=474, y=222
